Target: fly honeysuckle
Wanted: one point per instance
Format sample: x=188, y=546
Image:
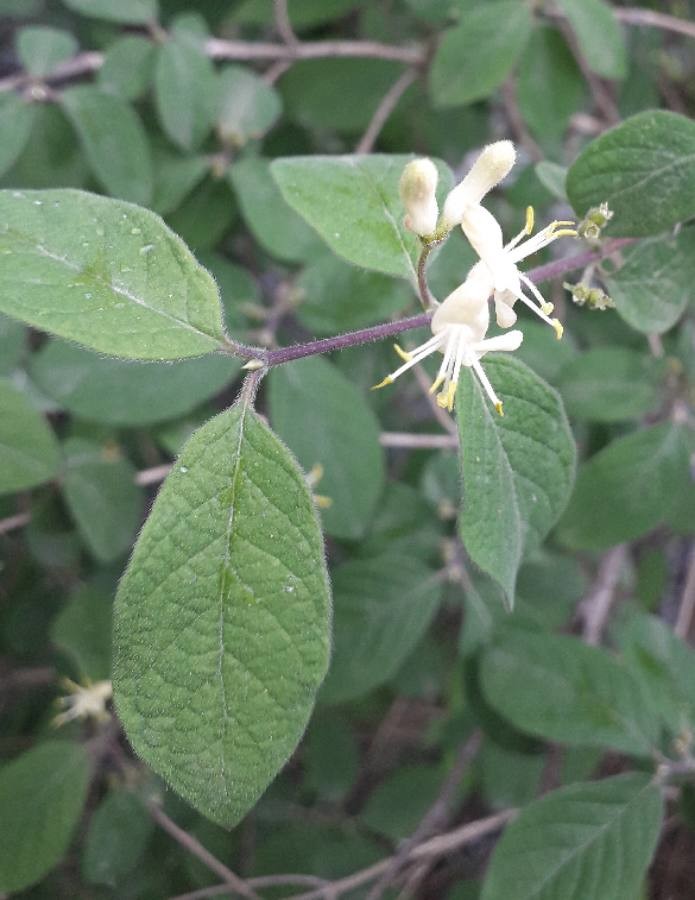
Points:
x=460, y=324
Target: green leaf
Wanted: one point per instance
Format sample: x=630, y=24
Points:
x=553, y=177
x=345, y=446
x=114, y=141
x=116, y=840
x=228, y=571
x=338, y=297
x=40, y=48
x=13, y=344
x=134, y=12
x=305, y=13
x=353, y=203
x=517, y=469
x=599, y=35
x=398, y=804
x=643, y=168
x=17, y=118
x=585, y=840
x=249, y=107
x=549, y=61
x=276, y=227
x=175, y=178
x=186, y=92
x=101, y=494
x=106, y=274
x=609, y=384
x=128, y=67
x=382, y=608
x=119, y=392
x=560, y=689
x=83, y=630
x=474, y=58
x=627, y=488
x=652, y=287
x=330, y=755
x=29, y=452
x=42, y=793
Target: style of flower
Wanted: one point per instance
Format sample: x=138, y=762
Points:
x=459, y=327
x=485, y=236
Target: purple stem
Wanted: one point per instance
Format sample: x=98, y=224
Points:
x=550, y=270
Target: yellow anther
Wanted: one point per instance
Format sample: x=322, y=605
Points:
x=565, y=232
x=499, y=407
x=387, y=380
x=547, y=308
x=530, y=220
x=404, y=355
x=314, y=475
x=558, y=222
x=323, y=502
x=450, y=396
x=559, y=330
x=442, y=400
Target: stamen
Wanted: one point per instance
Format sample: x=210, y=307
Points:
x=414, y=358
x=485, y=381
x=539, y=312
x=547, y=308
x=405, y=355
x=384, y=383
x=559, y=329
x=452, y=342
x=525, y=231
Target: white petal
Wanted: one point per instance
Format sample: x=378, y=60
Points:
x=506, y=317
x=467, y=305
x=484, y=233
x=493, y=164
x=417, y=187
x=508, y=342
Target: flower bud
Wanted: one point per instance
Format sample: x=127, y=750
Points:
x=417, y=187
x=493, y=164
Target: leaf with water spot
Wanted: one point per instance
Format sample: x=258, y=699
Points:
x=222, y=618
x=106, y=274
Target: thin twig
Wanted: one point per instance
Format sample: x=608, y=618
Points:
x=386, y=106
x=632, y=15
x=516, y=120
x=436, y=816
x=195, y=848
x=418, y=441
x=602, y=99
x=283, y=23
x=13, y=522
x=687, y=605
x=596, y=608
x=260, y=882
x=436, y=846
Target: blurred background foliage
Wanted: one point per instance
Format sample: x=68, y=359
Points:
x=180, y=107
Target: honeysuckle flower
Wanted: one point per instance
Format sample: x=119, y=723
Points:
x=485, y=235
x=418, y=187
x=84, y=701
x=459, y=326
x=494, y=163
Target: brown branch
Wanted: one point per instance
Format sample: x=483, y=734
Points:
x=195, y=848
x=283, y=23
x=687, y=604
x=13, y=522
x=596, y=608
x=418, y=441
x=260, y=882
x=632, y=15
x=387, y=105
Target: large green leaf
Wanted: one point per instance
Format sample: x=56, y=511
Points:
x=337, y=431
x=222, y=618
x=627, y=488
x=101, y=494
x=643, y=168
x=652, y=287
x=609, y=384
x=134, y=12
x=114, y=141
x=120, y=392
x=128, y=67
x=476, y=56
x=583, y=841
x=560, y=689
x=106, y=274
x=17, y=118
x=29, y=452
x=518, y=469
x=186, y=92
x=42, y=794
x=353, y=203
x=40, y=48
x=599, y=35
x=383, y=606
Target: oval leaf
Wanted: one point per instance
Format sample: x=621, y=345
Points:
x=585, y=840
x=106, y=274
x=135, y=12
x=29, y=453
x=42, y=794
x=643, y=168
x=353, y=203
x=222, y=618
x=518, y=469
x=186, y=92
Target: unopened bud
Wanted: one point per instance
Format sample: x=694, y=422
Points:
x=594, y=222
x=493, y=164
x=591, y=297
x=418, y=187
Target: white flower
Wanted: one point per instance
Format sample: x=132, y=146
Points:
x=84, y=701
x=494, y=163
x=459, y=327
x=417, y=187
x=500, y=259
